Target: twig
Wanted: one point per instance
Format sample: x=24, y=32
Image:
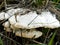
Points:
x=5, y=4
x=10, y=8
x=32, y=20
x=23, y=1
x=46, y=5
x=30, y=4
x=57, y=43
x=46, y=36
x=2, y=5
x=54, y=11
x=3, y=21
x=22, y=38
x=49, y=35
x=34, y=40
x=58, y=9
x=9, y=38
x=37, y=42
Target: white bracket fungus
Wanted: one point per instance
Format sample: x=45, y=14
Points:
x=33, y=33
x=28, y=21
x=33, y=20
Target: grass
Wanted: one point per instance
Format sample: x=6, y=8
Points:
x=1, y=42
x=52, y=39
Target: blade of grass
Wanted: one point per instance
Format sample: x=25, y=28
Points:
x=58, y=1
x=52, y=39
x=1, y=42
x=37, y=44
x=38, y=2
x=54, y=0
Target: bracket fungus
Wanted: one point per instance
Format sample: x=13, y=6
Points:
x=28, y=21
x=31, y=33
x=33, y=20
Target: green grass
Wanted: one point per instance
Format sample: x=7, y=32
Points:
x=1, y=42
x=52, y=39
